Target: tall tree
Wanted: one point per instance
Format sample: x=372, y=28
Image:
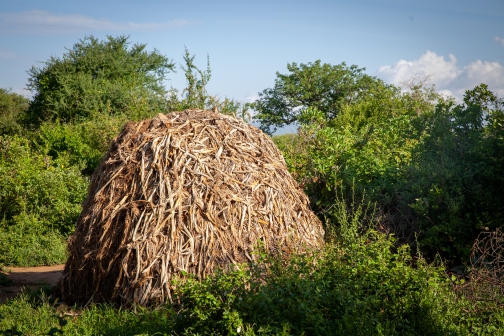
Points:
x=97, y=76
x=326, y=87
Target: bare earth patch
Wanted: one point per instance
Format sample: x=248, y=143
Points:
x=30, y=277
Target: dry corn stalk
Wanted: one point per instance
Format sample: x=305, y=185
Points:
x=187, y=191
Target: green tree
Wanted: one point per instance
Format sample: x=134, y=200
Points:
x=12, y=107
x=328, y=88
x=104, y=77
x=455, y=184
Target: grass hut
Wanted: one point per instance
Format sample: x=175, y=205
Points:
x=187, y=191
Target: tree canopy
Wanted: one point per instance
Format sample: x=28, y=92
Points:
x=328, y=88
x=97, y=76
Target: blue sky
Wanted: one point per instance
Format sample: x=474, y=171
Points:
x=458, y=43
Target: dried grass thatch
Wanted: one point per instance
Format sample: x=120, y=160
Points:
x=183, y=192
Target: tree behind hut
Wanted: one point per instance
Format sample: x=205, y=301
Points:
x=98, y=77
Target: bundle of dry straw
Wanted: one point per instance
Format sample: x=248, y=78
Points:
x=187, y=191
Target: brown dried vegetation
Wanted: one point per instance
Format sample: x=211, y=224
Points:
x=183, y=192
x=486, y=277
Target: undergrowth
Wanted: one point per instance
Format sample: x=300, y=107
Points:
x=358, y=287
x=40, y=200
x=361, y=283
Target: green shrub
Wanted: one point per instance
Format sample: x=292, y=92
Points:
x=40, y=200
x=81, y=144
x=294, y=149
x=455, y=181
x=12, y=108
x=361, y=288
x=98, y=77
x=29, y=243
x=361, y=283
x=434, y=170
x=357, y=287
x=370, y=160
x=31, y=183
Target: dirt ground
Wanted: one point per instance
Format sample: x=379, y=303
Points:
x=30, y=277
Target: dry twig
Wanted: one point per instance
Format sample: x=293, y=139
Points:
x=486, y=276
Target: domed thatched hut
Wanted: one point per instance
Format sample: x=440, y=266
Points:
x=186, y=191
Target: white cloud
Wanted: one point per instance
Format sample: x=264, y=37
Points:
x=499, y=40
x=491, y=72
x=429, y=64
x=41, y=22
x=449, y=78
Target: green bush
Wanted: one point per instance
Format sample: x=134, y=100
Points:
x=294, y=149
x=98, y=77
x=359, y=286
x=29, y=243
x=12, y=109
x=81, y=144
x=433, y=169
x=330, y=157
x=360, y=283
x=455, y=181
x=31, y=183
x=40, y=200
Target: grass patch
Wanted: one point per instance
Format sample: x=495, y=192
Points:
x=36, y=313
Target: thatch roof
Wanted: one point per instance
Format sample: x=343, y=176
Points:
x=187, y=191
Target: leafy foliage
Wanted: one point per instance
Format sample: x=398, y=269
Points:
x=359, y=284
x=40, y=200
x=324, y=87
x=98, y=77
x=195, y=94
x=28, y=242
x=81, y=144
x=455, y=186
x=433, y=168
x=12, y=107
x=360, y=287
x=31, y=183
